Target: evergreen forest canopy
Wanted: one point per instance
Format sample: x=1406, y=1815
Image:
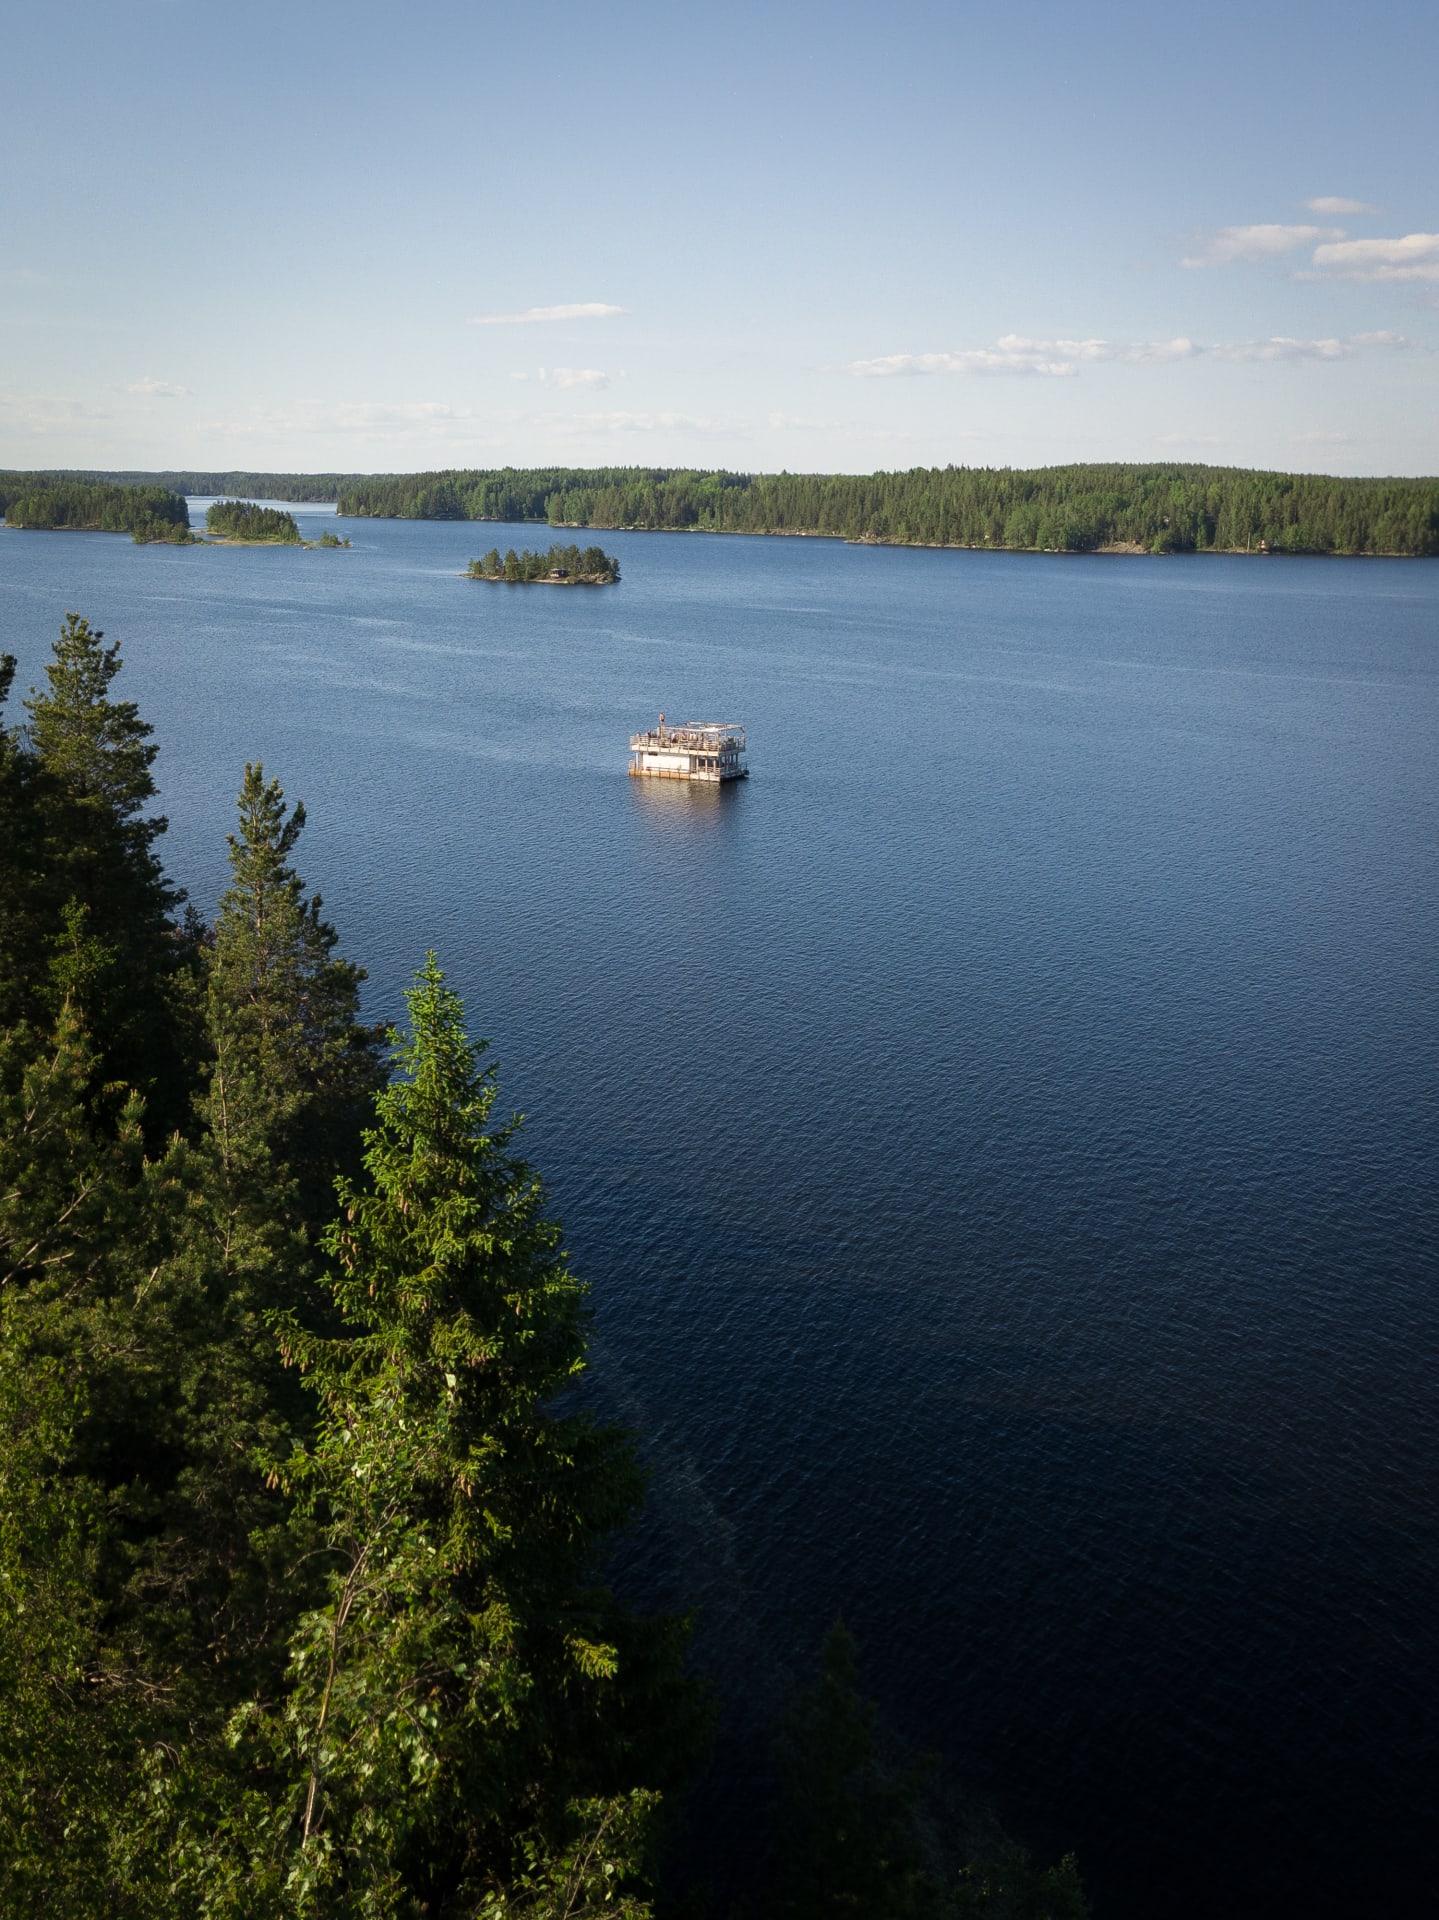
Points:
x=302, y=1609
x=233, y=482
x=591, y=567
x=1079, y=509
x=149, y=513
x=244, y=520
x=1073, y=509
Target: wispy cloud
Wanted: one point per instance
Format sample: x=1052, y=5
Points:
x=43, y=413
x=1412, y=256
x=1335, y=204
x=620, y=421
x=1015, y=353
x=159, y=389
x=1281, y=347
x=1270, y=242
x=567, y=377
x=575, y=310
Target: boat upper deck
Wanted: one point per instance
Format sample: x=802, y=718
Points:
x=695, y=736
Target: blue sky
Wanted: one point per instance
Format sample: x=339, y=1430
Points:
x=320, y=236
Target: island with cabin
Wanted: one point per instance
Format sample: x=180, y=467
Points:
x=560, y=567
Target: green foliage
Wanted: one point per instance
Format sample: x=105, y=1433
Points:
x=849, y=1844
x=1012, y=1887
x=328, y=539
x=83, y=897
x=1057, y=509
x=464, y=1695
x=243, y=520
x=856, y=1840
x=148, y=512
x=588, y=567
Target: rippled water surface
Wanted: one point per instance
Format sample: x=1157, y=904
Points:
x=1001, y=1134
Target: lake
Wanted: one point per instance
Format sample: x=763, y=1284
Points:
x=1000, y=1133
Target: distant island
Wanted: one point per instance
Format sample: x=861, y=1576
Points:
x=560, y=567
x=148, y=514
x=256, y=526
x=243, y=523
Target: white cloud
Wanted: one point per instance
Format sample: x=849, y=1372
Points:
x=1014, y=353
x=1281, y=347
x=1191, y=440
x=1227, y=244
x=1414, y=256
x=576, y=310
x=1331, y=203
x=160, y=389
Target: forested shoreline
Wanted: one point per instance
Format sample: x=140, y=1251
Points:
x=303, y=1525
x=1088, y=508
x=1077, y=509
x=148, y=513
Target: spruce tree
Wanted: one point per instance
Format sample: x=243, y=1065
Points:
x=466, y=1720
x=294, y=1069
x=93, y=844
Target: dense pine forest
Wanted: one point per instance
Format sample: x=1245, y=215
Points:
x=149, y=513
x=209, y=483
x=1081, y=509
x=302, y=1517
x=1076, y=509
x=590, y=567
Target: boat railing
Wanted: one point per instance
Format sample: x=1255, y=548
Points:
x=689, y=739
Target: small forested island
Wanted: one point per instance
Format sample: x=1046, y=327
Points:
x=257, y=526
x=148, y=514
x=243, y=523
x=560, y=567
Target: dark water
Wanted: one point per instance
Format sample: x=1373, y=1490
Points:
x=1000, y=1134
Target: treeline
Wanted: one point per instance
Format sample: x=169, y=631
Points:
x=257, y=486
x=149, y=513
x=302, y=1614
x=1076, y=509
x=588, y=567
x=243, y=520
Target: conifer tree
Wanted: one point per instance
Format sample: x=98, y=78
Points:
x=848, y=1846
x=94, y=845
x=464, y=1725
x=294, y=1069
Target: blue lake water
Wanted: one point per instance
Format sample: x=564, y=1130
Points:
x=1000, y=1134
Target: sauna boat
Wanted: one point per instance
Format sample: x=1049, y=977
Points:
x=699, y=750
